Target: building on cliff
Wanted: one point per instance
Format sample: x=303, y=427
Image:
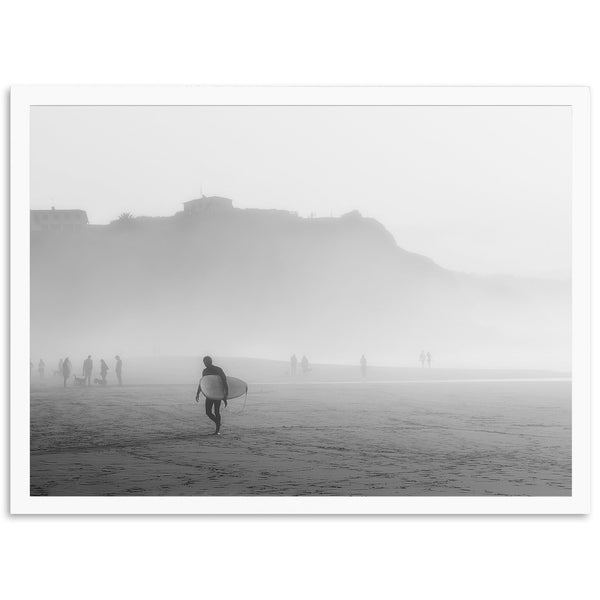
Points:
x=57, y=220
x=207, y=204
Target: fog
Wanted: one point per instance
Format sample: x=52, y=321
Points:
x=254, y=281
x=477, y=189
x=266, y=284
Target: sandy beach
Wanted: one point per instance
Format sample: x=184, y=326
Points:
x=431, y=439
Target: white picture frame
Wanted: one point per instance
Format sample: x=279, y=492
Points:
x=24, y=97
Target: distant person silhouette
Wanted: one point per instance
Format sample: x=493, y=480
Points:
x=210, y=404
x=41, y=367
x=119, y=368
x=66, y=370
x=305, y=366
x=293, y=364
x=103, y=370
x=363, y=366
x=429, y=360
x=422, y=358
x=88, y=367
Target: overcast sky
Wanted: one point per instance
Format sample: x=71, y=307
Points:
x=477, y=189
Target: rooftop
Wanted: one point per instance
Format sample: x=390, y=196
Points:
x=208, y=202
x=62, y=211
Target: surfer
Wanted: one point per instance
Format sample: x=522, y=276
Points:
x=215, y=405
x=363, y=366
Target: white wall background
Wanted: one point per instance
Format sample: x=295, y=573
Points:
x=308, y=42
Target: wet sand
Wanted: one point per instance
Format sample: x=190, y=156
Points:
x=371, y=439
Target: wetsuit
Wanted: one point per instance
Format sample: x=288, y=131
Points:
x=215, y=405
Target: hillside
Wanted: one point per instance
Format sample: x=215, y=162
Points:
x=268, y=283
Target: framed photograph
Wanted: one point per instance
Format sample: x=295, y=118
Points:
x=300, y=300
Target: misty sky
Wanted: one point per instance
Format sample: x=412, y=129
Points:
x=478, y=189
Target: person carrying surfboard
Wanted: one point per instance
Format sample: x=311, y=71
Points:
x=212, y=404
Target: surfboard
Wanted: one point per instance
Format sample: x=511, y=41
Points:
x=212, y=387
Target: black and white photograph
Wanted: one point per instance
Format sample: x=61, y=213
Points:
x=295, y=300
x=300, y=300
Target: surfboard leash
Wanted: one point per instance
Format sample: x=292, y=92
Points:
x=239, y=412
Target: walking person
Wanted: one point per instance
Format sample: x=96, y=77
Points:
x=363, y=366
x=211, y=404
x=293, y=364
x=429, y=359
x=422, y=358
x=41, y=368
x=304, y=365
x=119, y=368
x=103, y=370
x=88, y=366
x=66, y=370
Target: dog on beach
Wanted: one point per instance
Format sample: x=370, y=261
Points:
x=100, y=381
x=79, y=380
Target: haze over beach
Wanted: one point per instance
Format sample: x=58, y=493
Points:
x=419, y=257
x=263, y=283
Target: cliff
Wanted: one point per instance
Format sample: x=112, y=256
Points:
x=268, y=283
